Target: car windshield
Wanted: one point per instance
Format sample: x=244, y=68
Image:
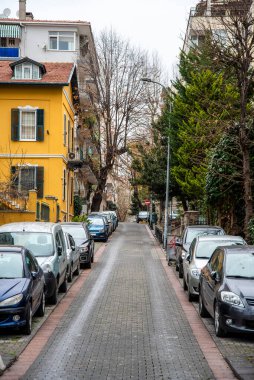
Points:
x=193, y=232
x=39, y=243
x=240, y=265
x=143, y=213
x=11, y=265
x=96, y=221
x=205, y=248
x=77, y=232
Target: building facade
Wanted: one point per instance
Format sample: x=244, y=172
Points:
x=38, y=106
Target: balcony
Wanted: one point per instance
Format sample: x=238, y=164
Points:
x=9, y=52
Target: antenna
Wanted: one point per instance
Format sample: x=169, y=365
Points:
x=7, y=12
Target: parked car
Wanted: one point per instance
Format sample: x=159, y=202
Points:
x=73, y=257
x=189, y=233
x=142, y=216
x=99, y=215
x=83, y=240
x=22, y=288
x=113, y=218
x=46, y=242
x=199, y=253
x=227, y=289
x=110, y=221
x=97, y=228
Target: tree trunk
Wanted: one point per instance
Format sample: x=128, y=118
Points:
x=247, y=183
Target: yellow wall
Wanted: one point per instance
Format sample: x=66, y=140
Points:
x=50, y=153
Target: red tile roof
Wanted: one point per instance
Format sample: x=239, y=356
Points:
x=56, y=73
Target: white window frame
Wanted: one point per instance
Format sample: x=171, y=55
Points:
x=31, y=68
x=57, y=35
x=28, y=110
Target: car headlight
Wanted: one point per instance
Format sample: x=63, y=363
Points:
x=12, y=300
x=195, y=273
x=231, y=298
x=83, y=249
x=46, y=268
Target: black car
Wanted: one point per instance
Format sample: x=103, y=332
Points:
x=189, y=233
x=22, y=288
x=227, y=289
x=83, y=240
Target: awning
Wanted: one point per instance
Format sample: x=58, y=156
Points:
x=10, y=31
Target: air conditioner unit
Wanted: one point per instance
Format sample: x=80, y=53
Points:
x=71, y=155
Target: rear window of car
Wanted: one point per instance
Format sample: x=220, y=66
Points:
x=39, y=243
x=96, y=221
x=76, y=231
x=193, y=232
x=11, y=265
x=206, y=248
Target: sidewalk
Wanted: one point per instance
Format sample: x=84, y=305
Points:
x=237, y=350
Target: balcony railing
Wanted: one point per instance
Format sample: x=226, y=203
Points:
x=9, y=52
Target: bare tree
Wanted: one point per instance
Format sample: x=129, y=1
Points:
x=118, y=100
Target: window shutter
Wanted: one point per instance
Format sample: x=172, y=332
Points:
x=40, y=181
x=14, y=178
x=15, y=124
x=40, y=125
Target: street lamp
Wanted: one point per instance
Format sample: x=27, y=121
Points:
x=165, y=233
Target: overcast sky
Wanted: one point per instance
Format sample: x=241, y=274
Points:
x=153, y=25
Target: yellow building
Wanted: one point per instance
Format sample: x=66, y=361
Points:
x=38, y=103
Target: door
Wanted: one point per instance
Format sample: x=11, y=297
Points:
x=36, y=281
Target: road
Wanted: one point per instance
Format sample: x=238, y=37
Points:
x=125, y=322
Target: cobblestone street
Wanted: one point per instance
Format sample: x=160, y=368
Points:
x=126, y=322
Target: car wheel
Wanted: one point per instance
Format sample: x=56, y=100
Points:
x=27, y=329
x=53, y=299
x=185, y=287
x=89, y=264
x=92, y=257
x=190, y=295
x=77, y=271
x=63, y=287
x=180, y=272
x=219, y=330
x=201, y=307
x=70, y=277
x=41, y=309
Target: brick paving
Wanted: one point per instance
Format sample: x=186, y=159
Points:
x=125, y=323
x=12, y=343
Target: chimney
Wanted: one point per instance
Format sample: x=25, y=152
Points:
x=22, y=9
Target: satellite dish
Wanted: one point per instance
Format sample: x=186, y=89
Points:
x=7, y=12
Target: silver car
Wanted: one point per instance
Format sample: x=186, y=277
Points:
x=199, y=253
x=73, y=257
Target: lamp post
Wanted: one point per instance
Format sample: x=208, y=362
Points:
x=165, y=232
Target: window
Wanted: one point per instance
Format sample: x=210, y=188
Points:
x=64, y=185
x=32, y=266
x=27, y=124
x=65, y=131
x=62, y=41
x=28, y=178
x=26, y=71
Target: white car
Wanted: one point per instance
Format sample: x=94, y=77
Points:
x=73, y=257
x=199, y=253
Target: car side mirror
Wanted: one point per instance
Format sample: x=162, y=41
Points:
x=59, y=250
x=188, y=257
x=34, y=275
x=179, y=242
x=215, y=276
x=73, y=247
